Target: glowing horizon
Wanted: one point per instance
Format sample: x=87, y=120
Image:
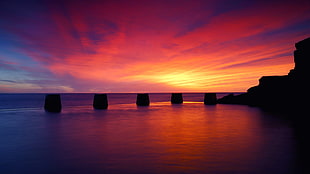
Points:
x=147, y=46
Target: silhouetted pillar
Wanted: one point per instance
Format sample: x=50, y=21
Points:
x=143, y=100
x=210, y=99
x=176, y=98
x=52, y=103
x=100, y=101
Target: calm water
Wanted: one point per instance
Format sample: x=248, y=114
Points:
x=161, y=138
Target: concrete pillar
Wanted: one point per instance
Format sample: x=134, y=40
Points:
x=143, y=100
x=52, y=103
x=210, y=99
x=176, y=98
x=100, y=101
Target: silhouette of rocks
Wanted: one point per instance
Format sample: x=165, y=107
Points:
x=100, y=101
x=176, y=98
x=143, y=100
x=52, y=103
x=280, y=92
x=233, y=99
x=210, y=99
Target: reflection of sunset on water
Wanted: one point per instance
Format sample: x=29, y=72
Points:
x=161, y=138
x=174, y=138
x=195, y=137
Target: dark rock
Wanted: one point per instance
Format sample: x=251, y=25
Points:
x=280, y=92
x=303, y=44
x=143, y=100
x=228, y=99
x=52, y=103
x=233, y=99
x=176, y=98
x=100, y=101
x=210, y=99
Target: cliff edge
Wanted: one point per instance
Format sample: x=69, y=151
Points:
x=287, y=92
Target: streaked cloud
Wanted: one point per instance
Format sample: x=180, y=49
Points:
x=149, y=46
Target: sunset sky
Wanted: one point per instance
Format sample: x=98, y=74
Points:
x=147, y=45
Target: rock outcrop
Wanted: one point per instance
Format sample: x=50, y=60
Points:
x=100, y=101
x=286, y=92
x=52, y=103
x=176, y=98
x=143, y=100
x=210, y=99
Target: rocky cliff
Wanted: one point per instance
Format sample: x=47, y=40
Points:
x=286, y=92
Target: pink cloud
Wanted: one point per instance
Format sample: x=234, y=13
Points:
x=163, y=46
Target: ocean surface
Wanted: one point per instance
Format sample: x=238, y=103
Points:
x=161, y=138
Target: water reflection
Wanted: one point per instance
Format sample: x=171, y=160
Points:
x=166, y=138
x=161, y=138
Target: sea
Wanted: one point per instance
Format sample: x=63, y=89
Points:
x=157, y=139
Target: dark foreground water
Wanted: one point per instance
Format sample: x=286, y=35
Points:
x=161, y=138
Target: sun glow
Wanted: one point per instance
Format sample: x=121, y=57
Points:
x=123, y=46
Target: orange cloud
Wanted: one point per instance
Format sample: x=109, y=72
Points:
x=186, y=46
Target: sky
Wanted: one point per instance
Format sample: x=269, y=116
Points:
x=94, y=46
